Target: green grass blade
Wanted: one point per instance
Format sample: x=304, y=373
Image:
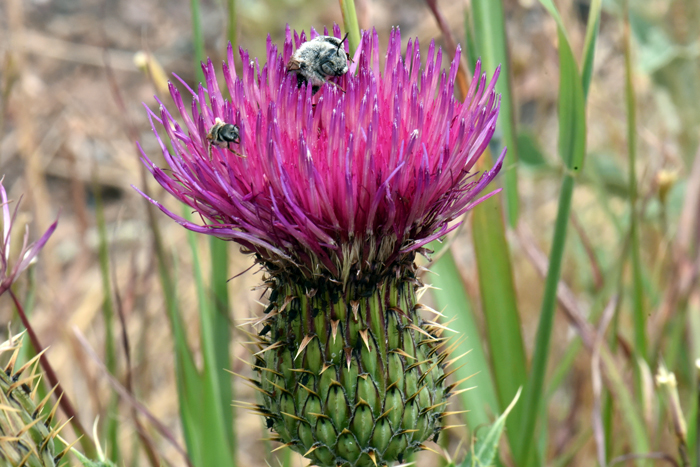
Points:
x=638, y=313
x=221, y=331
x=112, y=426
x=492, y=46
x=500, y=307
x=572, y=149
x=592, y=30
x=209, y=422
x=631, y=413
x=499, y=300
x=534, y=391
x=186, y=375
x=485, y=448
x=472, y=53
x=352, y=27
x=451, y=297
x=231, y=26
x=197, y=39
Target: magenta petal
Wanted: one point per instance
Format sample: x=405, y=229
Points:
x=321, y=180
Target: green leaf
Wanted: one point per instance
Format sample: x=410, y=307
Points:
x=492, y=46
x=572, y=149
x=572, y=109
x=530, y=151
x=210, y=420
x=90, y=463
x=499, y=303
x=108, y=316
x=485, y=447
x=589, y=46
x=452, y=299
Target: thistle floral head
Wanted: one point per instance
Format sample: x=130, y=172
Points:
x=351, y=180
x=9, y=272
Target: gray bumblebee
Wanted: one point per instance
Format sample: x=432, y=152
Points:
x=222, y=135
x=317, y=60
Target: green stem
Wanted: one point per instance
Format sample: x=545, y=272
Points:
x=197, y=39
x=231, y=27
x=534, y=387
x=639, y=316
x=108, y=316
x=347, y=8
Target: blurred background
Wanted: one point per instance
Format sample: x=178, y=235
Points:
x=75, y=75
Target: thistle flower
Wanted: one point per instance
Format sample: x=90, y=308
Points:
x=335, y=193
x=28, y=252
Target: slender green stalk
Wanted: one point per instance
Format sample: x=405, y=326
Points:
x=572, y=149
x=491, y=44
x=221, y=331
x=112, y=426
x=534, y=389
x=210, y=422
x=639, y=315
x=352, y=27
x=231, y=26
x=197, y=39
x=186, y=377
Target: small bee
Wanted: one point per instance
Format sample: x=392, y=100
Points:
x=317, y=60
x=222, y=135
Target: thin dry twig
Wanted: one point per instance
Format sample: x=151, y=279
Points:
x=652, y=455
x=146, y=440
x=596, y=269
x=64, y=402
x=124, y=394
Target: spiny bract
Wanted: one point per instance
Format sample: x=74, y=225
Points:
x=26, y=435
x=353, y=379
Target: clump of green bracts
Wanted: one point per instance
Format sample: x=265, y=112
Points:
x=26, y=435
x=352, y=378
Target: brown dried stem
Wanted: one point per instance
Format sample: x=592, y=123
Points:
x=64, y=402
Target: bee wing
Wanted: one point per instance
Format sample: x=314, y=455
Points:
x=293, y=65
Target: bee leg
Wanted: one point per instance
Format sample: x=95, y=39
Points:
x=336, y=85
x=228, y=146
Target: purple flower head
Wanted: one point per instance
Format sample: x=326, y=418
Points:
x=353, y=179
x=9, y=273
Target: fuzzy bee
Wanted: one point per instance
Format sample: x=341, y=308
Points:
x=319, y=59
x=222, y=135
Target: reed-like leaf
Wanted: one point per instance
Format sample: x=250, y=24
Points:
x=492, y=47
x=112, y=426
x=210, y=421
x=197, y=39
x=452, y=300
x=499, y=305
x=498, y=295
x=638, y=313
x=231, y=28
x=221, y=337
x=572, y=149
